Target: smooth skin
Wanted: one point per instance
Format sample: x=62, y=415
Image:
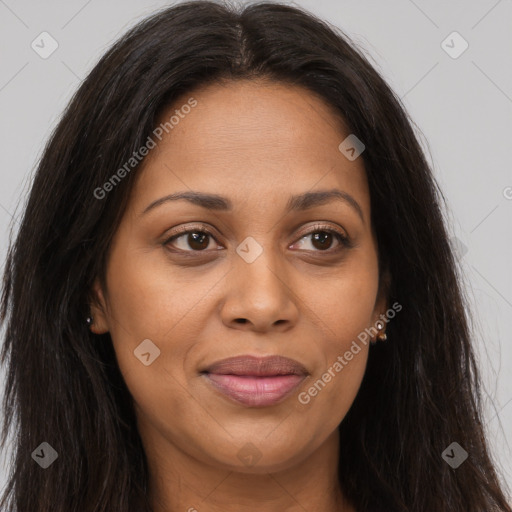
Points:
x=306, y=296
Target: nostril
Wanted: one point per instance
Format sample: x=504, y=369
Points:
x=241, y=320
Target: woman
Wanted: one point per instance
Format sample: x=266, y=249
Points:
x=232, y=288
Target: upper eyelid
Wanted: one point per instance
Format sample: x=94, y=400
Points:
x=319, y=226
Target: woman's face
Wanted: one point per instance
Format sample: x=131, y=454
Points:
x=260, y=274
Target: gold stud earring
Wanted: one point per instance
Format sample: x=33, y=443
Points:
x=382, y=335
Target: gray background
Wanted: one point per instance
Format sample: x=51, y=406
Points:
x=462, y=106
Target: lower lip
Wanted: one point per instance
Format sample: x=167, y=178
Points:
x=255, y=391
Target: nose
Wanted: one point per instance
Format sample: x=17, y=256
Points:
x=259, y=297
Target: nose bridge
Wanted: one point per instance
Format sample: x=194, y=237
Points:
x=258, y=264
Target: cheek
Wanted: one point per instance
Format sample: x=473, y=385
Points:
x=147, y=298
x=344, y=308
x=333, y=386
x=344, y=303
x=148, y=304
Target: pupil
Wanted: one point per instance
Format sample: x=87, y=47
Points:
x=198, y=238
x=321, y=237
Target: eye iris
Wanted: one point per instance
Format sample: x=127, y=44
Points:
x=322, y=236
x=198, y=238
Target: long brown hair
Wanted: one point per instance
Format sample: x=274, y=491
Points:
x=421, y=389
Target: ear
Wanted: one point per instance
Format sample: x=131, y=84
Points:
x=98, y=308
x=381, y=303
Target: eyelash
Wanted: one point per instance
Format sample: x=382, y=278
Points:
x=318, y=228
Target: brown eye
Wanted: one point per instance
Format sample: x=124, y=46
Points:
x=322, y=240
x=190, y=241
x=198, y=241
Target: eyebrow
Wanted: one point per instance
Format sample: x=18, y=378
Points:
x=295, y=203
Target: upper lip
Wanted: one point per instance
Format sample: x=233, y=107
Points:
x=257, y=366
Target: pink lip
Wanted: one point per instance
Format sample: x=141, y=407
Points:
x=255, y=381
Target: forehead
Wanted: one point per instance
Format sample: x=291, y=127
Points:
x=251, y=140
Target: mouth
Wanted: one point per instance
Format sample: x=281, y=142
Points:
x=255, y=381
